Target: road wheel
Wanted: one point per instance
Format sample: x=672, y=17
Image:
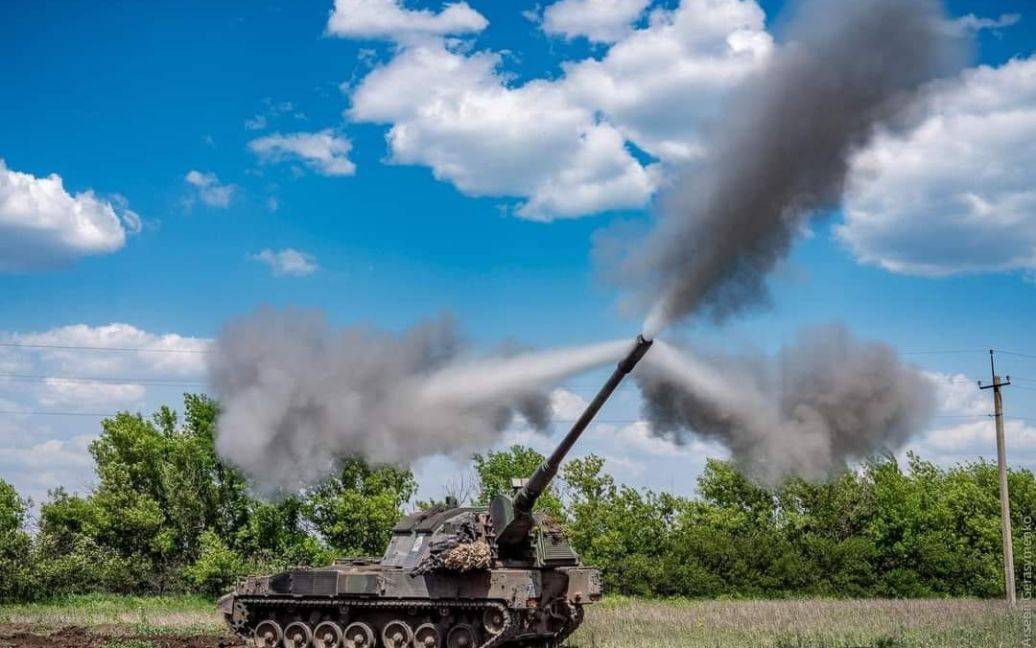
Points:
x=397, y=634
x=462, y=636
x=358, y=635
x=427, y=636
x=267, y=634
x=327, y=635
x=493, y=620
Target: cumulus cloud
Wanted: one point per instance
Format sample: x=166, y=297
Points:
x=42, y=224
x=973, y=23
x=603, y=21
x=63, y=392
x=565, y=145
x=955, y=194
x=323, y=151
x=208, y=189
x=51, y=371
x=454, y=113
x=35, y=467
x=964, y=429
x=566, y=406
x=288, y=262
x=390, y=19
x=134, y=352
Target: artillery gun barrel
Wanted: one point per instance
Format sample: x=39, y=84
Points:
x=534, y=487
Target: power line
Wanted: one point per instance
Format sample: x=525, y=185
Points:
x=943, y=352
x=1015, y=353
x=51, y=413
x=78, y=347
x=108, y=380
x=72, y=347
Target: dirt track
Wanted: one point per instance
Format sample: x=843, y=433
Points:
x=99, y=637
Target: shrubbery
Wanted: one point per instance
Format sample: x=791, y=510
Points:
x=167, y=516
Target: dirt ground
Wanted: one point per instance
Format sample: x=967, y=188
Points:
x=26, y=636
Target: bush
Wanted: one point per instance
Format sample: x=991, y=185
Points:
x=17, y=578
x=217, y=566
x=167, y=515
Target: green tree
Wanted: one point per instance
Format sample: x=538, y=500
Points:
x=16, y=569
x=162, y=494
x=355, y=510
x=217, y=566
x=619, y=528
x=496, y=470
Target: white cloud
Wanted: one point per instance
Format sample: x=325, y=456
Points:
x=389, y=19
x=972, y=440
x=963, y=429
x=209, y=189
x=323, y=151
x=162, y=354
x=638, y=436
x=564, y=145
x=958, y=395
x=454, y=113
x=287, y=262
x=55, y=373
x=603, y=21
x=973, y=23
x=664, y=83
x=35, y=468
x=566, y=406
x=62, y=392
x=956, y=193
x=41, y=224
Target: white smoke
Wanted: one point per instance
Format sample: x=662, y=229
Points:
x=298, y=395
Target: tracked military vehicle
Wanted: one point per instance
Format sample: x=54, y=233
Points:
x=451, y=577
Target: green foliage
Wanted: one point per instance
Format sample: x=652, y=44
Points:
x=217, y=566
x=496, y=470
x=355, y=510
x=16, y=577
x=881, y=531
x=168, y=515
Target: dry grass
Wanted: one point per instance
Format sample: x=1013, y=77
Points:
x=634, y=623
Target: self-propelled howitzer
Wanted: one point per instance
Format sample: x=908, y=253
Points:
x=453, y=577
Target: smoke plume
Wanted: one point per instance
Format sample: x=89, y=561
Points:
x=298, y=395
x=824, y=401
x=781, y=151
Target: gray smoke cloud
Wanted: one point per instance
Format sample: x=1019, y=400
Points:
x=823, y=401
x=781, y=151
x=297, y=394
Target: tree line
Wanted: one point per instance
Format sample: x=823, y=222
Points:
x=166, y=515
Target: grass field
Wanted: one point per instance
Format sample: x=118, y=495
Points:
x=134, y=622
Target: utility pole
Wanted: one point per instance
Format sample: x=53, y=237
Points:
x=1001, y=459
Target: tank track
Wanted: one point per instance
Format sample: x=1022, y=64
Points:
x=452, y=604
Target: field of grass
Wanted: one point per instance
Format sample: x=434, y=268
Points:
x=144, y=615
x=633, y=623
x=615, y=623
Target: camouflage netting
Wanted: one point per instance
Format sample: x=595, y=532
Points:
x=461, y=550
x=468, y=556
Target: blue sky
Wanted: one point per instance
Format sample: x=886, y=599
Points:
x=126, y=100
